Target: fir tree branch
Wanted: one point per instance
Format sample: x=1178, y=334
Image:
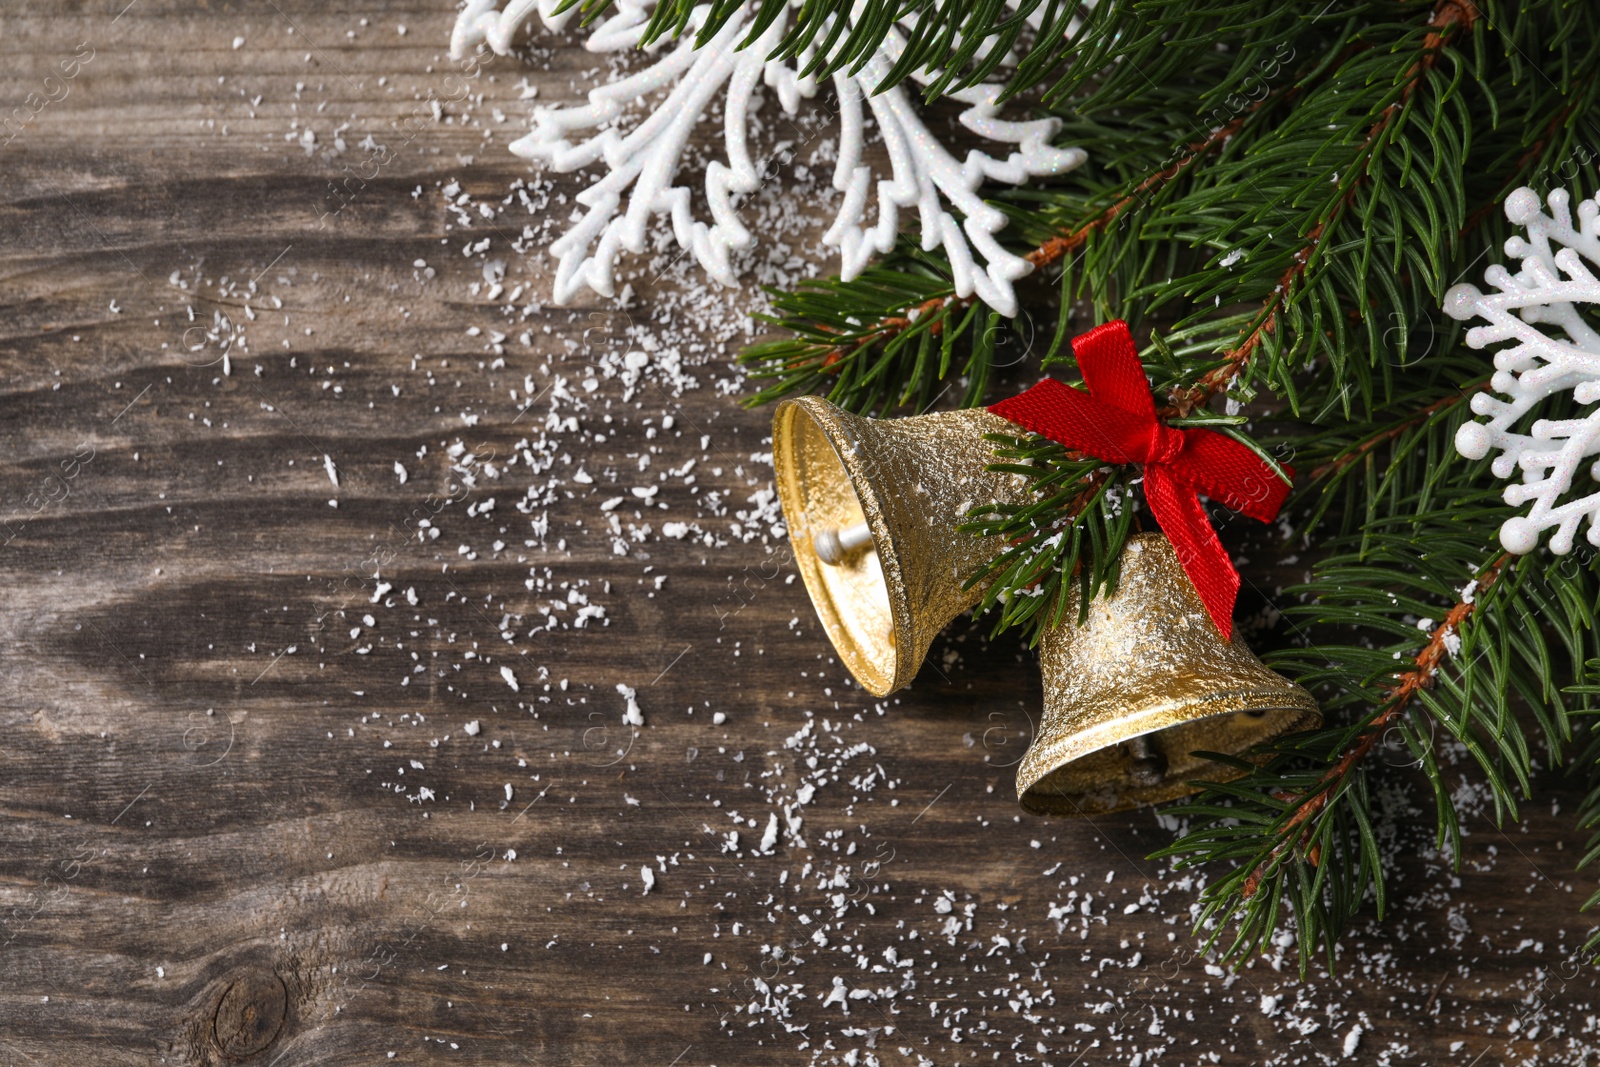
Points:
x=835, y=327
x=1274, y=241
x=1070, y=534
x=1448, y=17
x=1045, y=254
x=823, y=344
x=1586, y=768
x=1393, y=453
x=1388, y=434
x=1311, y=803
x=1526, y=160
x=1299, y=829
x=1036, y=535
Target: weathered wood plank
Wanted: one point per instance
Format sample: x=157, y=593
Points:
x=215, y=849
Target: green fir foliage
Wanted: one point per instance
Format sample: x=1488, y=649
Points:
x=1277, y=198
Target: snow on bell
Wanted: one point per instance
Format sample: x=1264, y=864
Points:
x=872, y=507
x=1143, y=685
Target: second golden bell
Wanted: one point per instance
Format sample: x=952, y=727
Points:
x=1143, y=685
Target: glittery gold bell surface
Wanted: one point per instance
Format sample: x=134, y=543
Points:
x=1145, y=682
x=911, y=482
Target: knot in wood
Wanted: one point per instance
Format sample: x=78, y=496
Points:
x=250, y=1014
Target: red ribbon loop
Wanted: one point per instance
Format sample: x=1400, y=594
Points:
x=1116, y=421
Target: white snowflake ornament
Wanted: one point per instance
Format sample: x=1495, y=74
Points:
x=1555, y=348
x=642, y=162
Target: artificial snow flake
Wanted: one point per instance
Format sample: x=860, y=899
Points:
x=631, y=714
x=643, y=162
x=1548, y=291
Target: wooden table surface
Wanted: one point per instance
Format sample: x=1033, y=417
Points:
x=257, y=807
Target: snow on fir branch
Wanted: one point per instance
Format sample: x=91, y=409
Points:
x=642, y=163
x=1555, y=350
x=1444, y=640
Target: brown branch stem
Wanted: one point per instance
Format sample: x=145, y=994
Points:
x=1051, y=251
x=1339, y=463
x=1447, y=14
x=1406, y=685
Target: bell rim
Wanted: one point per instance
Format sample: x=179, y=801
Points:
x=1042, y=760
x=832, y=421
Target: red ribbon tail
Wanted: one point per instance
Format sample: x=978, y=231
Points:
x=1177, y=508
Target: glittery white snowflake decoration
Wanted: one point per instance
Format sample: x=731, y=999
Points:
x=1549, y=291
x=642, y=162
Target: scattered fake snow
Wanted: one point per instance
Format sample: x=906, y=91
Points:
x=1061, y=961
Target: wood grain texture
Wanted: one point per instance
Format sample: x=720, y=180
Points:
x=214, y=844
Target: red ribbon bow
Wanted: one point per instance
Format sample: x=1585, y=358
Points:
x=1116, y=421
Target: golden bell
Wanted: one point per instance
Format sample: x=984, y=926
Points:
x=1144, y=683
x=872, y=507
